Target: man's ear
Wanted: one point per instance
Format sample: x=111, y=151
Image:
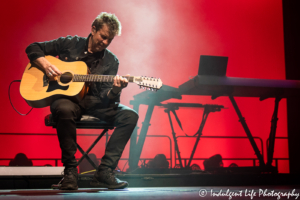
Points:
x=93, y=31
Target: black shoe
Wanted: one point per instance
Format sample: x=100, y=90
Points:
x=70, y=179
x=105, y=178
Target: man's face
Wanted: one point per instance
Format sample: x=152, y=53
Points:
x=101, y=39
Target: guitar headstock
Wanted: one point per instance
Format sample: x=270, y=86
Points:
x=149, y=83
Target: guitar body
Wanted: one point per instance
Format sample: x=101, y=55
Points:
x=39, y=91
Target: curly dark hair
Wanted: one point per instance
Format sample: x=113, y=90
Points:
x=110, y=20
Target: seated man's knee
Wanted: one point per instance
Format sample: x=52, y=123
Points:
x=131, y=116
x=134, y=116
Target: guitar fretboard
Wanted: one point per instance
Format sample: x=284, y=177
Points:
x=98, y=78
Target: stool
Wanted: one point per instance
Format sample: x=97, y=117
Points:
x=86, y=122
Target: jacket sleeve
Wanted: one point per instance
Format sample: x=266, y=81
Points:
x=40, y=49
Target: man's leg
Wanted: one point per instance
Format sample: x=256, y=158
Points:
x=125, y=120
x=65, y=112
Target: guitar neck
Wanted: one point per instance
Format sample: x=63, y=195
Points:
x=99, y=78
x=142, y=81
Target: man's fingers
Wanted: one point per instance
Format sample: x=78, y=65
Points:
x=117, y=81
x=55, y=70
x=124, y=82
x=120, y=81
x=52, y=70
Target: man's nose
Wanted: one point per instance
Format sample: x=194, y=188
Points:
x=105, y=42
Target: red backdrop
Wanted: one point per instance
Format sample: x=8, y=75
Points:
x=160, y=38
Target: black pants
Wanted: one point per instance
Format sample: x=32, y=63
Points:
x=65, y=113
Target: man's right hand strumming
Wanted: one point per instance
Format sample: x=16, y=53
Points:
x=50, y=70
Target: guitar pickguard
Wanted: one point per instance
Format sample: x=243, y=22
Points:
x=53, y=85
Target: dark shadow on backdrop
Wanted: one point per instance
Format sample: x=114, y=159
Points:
x=291, y=21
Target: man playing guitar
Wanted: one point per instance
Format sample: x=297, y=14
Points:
x=102, y=99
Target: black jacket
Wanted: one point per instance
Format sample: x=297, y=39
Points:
x=75, y=49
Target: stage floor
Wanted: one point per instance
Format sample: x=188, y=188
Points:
x=216, y=193
x=175, y=185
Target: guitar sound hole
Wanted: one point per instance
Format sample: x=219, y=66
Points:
x=66, y=77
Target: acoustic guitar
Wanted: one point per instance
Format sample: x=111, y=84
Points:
x=40, y=91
